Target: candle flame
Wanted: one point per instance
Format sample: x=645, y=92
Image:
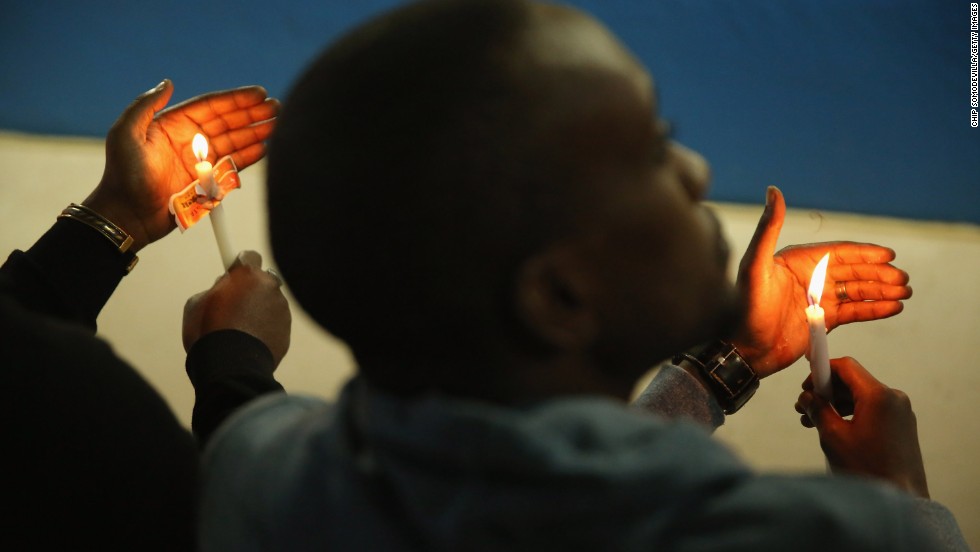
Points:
x=200, y=146
x=817, y=280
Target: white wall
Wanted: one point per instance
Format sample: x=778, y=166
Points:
x=927, y=351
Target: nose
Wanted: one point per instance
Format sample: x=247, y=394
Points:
x=694, y=170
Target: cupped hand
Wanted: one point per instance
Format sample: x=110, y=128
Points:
x=775, y=332
x=149, y=157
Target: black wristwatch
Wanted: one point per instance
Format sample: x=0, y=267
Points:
x=731, y=380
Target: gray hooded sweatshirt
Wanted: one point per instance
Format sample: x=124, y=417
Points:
x=376, y=472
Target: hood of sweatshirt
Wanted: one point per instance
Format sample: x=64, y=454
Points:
x=567, y=473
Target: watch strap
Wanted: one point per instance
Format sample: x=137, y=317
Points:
x=729, y=377
x=119, y=238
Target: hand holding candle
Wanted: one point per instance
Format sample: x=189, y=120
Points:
x=819, y=356
x=205, y=176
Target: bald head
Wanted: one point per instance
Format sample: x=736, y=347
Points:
x=419, y=160
x=561, y=36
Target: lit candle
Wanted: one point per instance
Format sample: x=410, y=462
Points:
x=819, y=358
x=205, y=176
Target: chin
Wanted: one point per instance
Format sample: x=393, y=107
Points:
x=722, y=321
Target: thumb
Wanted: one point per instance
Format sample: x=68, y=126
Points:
x=763, y=244
x=139, y=114
x=821, y=413
x=247, y=258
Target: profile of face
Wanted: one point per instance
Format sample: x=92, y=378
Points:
x=536, y=219
x=653, y=260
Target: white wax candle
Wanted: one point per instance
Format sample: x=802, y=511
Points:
x=221, y=236
x=205, y=177
x=819, y=356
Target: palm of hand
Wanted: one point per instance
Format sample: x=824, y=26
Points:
x=775, y=333
x=153, y=171
x=149, y=157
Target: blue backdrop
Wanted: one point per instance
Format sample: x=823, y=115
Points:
x=846, y=105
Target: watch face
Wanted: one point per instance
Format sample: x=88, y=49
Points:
x=731, y=378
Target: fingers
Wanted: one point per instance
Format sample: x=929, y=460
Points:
x=236, y=122
x=246, y=266
x=866, y=290
x=868, y=310
x=804, y=419
x=253, y=261
x=853, y=252
x=230, y=119
x=818, y=412
x=239, y=118
x=871, y=291
x=880, y=440
x=241, y=143
x=844, y=253
x=850, y=380
x=869, y=272
x=248, y=156
x=244, y=259
x=245, y=298
x=843, y=402
x=854, y=376
x=867, y=286
x=204, y=108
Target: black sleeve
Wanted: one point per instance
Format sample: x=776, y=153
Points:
x=69, y=273
x=227, y=368
x=93, y=457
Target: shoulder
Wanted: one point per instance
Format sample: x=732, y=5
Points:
x=62, y=366
x=248, y=463
x=80, y=416
x=773, y=512
x=262, y=423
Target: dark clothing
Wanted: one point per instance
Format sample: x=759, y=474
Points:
x=228, y=368
x=93, y=457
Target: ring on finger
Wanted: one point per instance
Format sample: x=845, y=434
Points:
x=842, y=292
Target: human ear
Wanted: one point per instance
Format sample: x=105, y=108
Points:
x=553, y=300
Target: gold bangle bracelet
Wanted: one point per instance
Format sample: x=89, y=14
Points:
x=119, y=238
